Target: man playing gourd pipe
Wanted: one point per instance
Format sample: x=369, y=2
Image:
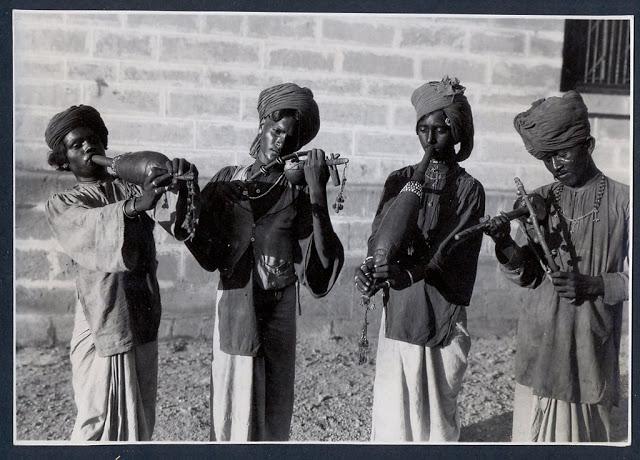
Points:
x=567, y=372
x=264, y=237
x=105, y=225
x=423, y=342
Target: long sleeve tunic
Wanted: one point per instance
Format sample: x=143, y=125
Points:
x=115, y=261
x=569, y=351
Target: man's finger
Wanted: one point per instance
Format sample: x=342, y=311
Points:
x=162, y=179
x=359, y=278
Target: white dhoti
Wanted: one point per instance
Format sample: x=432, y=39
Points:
x=415, y=395
x=115, y=395
x=540, y=419
x=252, y=397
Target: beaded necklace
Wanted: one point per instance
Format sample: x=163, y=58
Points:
x=557, y=194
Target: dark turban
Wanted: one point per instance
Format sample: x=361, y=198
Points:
x=76, y=116
x=447, y=95
x=552, y=124
x=293, y=97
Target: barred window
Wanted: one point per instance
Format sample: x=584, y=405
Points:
x=596, y=56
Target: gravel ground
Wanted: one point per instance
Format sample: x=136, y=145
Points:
x=333, y=394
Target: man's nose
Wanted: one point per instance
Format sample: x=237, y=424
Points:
x=280, y=140
x=88, y=145
x=431, y=137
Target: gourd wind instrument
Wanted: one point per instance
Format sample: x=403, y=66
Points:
x=134, y=167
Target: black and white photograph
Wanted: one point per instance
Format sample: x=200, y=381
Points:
x=360, y=228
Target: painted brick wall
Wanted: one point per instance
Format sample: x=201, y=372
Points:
x=187, y=85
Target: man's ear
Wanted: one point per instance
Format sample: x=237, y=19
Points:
x=591, y=144
x=260, y=126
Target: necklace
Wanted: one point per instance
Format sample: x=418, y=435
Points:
x=277, y=181
x=557, y=193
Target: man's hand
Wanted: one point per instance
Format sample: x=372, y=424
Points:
x=364, y=277
x=421, y=169
x=180, y=166
x=393, y=275
x=499, y=229
x=575, y=286
x=155, y=184
x=316, y=172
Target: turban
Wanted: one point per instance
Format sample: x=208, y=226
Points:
x=290, y=96
x=552, y=124
x=447, y=95
x=76, y=116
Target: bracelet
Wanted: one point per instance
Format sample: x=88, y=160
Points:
x=413, y=187
x=410, y=276
x=124, y=209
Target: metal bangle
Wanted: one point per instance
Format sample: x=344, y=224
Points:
x=413, y=187
x=410, y=275
x=133, y=205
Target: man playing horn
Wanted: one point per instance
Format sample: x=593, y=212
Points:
x=568, y=341
x=423, y=342
x=103, y=225
x=265, y=237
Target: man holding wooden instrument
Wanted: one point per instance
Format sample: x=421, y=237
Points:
x=265, y=236
x=568, y=340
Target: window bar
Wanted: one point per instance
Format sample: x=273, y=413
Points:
x=612, y=41
x=603, y=52
x=586, y=61
x=625, y=67
x=617, y=72
x=592, y=71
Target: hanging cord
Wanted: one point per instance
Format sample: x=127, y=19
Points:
x=337, y=205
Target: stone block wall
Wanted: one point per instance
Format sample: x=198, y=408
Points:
x=187, y=84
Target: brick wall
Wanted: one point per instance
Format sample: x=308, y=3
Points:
x=187, y=85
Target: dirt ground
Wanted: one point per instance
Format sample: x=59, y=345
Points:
x=333, y=393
